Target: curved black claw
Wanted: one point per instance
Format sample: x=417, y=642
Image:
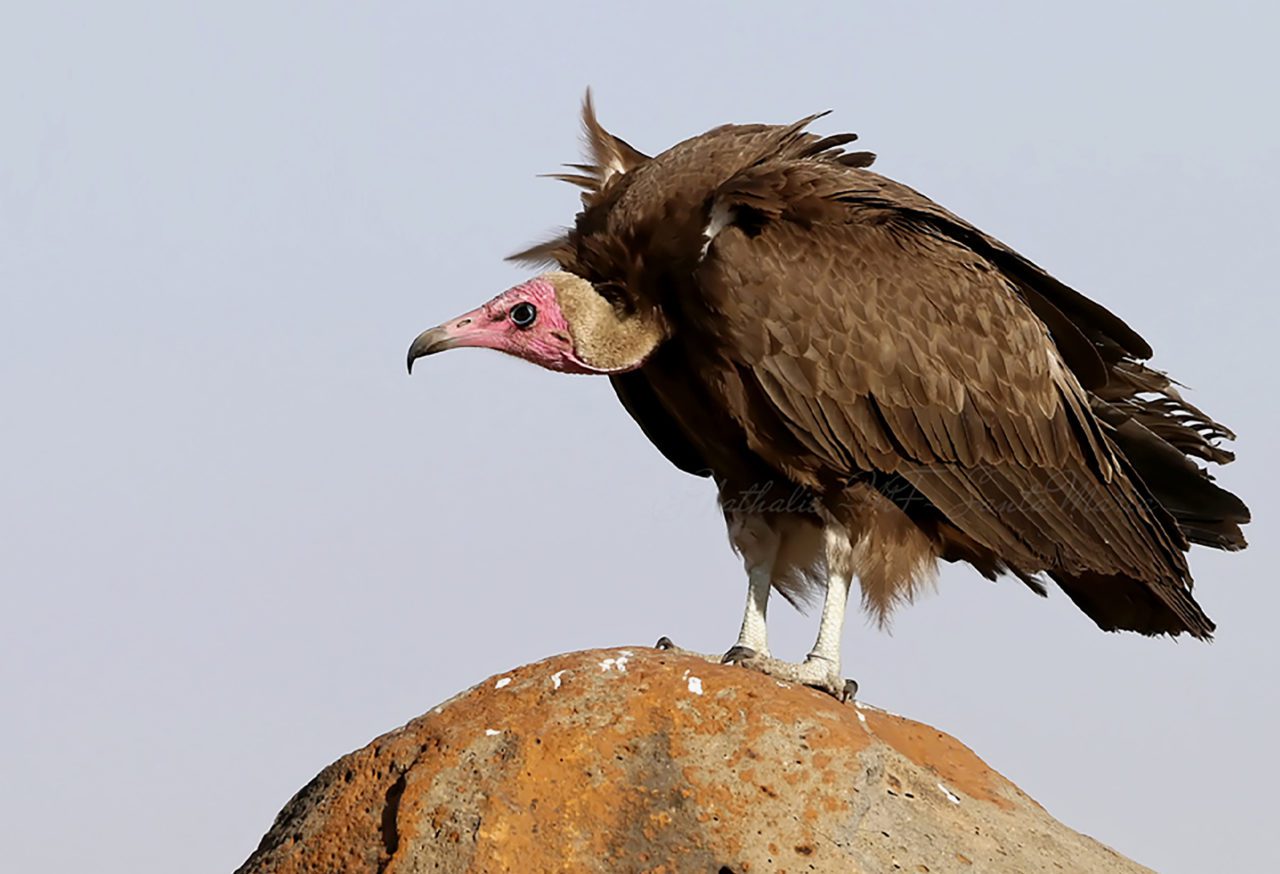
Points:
x=737, y=655
x=664, y=642
x=849, y=692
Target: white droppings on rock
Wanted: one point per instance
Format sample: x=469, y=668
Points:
x=951, y=796
x=609, y=664
x=861, y=718
x=695, y=685
x=490, y=732
x=505, y=681
x=555, y=679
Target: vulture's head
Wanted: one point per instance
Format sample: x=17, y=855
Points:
x=558, y=321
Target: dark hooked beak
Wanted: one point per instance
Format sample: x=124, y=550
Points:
x=430, y=342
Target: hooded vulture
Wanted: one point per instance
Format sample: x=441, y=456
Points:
x=872, y=383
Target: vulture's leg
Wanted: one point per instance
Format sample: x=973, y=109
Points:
x=821, y=669
x=758, y=544
x=826, y=649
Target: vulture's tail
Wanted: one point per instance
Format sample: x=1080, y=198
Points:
x=1120, y=603
x=1160, y=434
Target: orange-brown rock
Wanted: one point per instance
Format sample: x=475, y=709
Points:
x=639, y=760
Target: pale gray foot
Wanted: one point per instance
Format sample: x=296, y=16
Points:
x=815, y=672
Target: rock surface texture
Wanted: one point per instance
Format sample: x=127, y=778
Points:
x=639, y=760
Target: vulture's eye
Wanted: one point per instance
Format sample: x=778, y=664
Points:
x=523, y=314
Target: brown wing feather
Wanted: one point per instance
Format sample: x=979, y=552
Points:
x=918, y=356
x=1047, y=297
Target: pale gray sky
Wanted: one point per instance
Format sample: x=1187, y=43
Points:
x=238, y=541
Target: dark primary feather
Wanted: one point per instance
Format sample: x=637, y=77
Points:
x=843, y=329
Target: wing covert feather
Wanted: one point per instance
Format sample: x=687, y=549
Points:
x=933, y=348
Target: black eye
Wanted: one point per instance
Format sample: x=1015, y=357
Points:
x=523, y=314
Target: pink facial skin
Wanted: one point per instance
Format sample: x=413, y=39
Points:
x=544, y=341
